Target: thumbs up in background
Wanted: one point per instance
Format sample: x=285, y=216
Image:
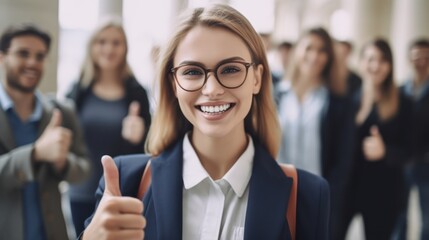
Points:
x=373, y=145
x=54, y=144
x=133, y=126
x=116, y=217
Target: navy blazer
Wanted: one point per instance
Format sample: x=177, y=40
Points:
x=269, y=190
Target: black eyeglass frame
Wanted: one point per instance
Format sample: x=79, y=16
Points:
x=214, y=70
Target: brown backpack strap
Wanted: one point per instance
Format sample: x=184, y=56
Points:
x=290, y=171
x=145, y=181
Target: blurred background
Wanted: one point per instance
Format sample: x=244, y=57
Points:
x=148, y=23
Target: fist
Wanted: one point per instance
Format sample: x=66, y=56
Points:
x=116, y=217
x=54, y=144
x=133, y=125
x=373, y=146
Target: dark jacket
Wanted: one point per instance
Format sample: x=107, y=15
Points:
x=269, y=191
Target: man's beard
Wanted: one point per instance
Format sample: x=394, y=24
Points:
x=13, y=82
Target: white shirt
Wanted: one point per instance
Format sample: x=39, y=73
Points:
x=215, y=209
x=300, y=123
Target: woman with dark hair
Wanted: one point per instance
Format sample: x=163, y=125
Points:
x=377, y=187
x=316, y=117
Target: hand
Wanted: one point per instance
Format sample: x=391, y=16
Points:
x=133, y=125
x=54, y=144
x=116, y=217
x=373, y=146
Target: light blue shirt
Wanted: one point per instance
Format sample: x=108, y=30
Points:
x=301, y=123
x=416, y=94
x=25, y=132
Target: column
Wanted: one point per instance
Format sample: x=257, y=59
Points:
x=43, y=13
x=368, y=19
x=410, y=18
x=110, y=7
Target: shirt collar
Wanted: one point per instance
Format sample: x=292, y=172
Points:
x=238, y=176
x=409, y=89
x=6, y=103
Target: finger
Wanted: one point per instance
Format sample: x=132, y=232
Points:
x=134, y=109
x=126, y=221
x=56, y=119
x=374, y=131
x=125, y=205
x=127, y=234
x=111, y=176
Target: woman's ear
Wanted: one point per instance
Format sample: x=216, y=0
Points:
x=259, y=71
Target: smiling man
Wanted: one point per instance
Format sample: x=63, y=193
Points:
x=40, y=141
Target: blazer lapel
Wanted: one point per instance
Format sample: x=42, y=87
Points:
x=6, y=136
x=47, y=108
x=167, y=190
x=268, y=199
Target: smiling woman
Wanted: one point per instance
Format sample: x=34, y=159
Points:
x=107, y=97
x=213, y=145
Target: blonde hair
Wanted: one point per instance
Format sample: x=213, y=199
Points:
x=170, y=124
x=330, y=73
x=89, y=70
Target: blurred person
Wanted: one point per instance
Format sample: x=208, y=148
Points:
x=41, y=143
x=343, y=50
x=417, y=173
x=316, y=118
x=213, y=142
x=377, y=188
x=112, y=106
x=268, y=45
x=285, y=50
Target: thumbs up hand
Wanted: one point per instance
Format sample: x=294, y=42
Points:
x=373, y=146
x=116, y=217
x=54, y=143
x=133, y=127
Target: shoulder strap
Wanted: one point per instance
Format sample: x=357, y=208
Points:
x=145, y=181
x=291, y=171
x=288, y=169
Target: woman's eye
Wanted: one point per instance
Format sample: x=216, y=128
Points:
x=193, y=72
x=230, y=70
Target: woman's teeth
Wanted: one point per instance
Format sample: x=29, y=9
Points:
x=215, y=109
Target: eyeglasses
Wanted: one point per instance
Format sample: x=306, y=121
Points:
x=192, y=77
x=25, y=54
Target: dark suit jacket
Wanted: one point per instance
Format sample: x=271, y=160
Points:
x=269, y=192
x=16, y=169
x=420, y=129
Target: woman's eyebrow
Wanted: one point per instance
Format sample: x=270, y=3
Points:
x=202, y=64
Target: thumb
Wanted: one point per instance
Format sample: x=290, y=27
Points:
x=374, y=131
x=134, y=109
x=56, y=119
x=111, y=176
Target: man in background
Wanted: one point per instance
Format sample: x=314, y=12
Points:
x=417, y=173
x=40, y=142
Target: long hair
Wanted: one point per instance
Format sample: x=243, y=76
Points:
x=170, y=124
x=383, y=46
x=329, y=73
x=89, y=70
